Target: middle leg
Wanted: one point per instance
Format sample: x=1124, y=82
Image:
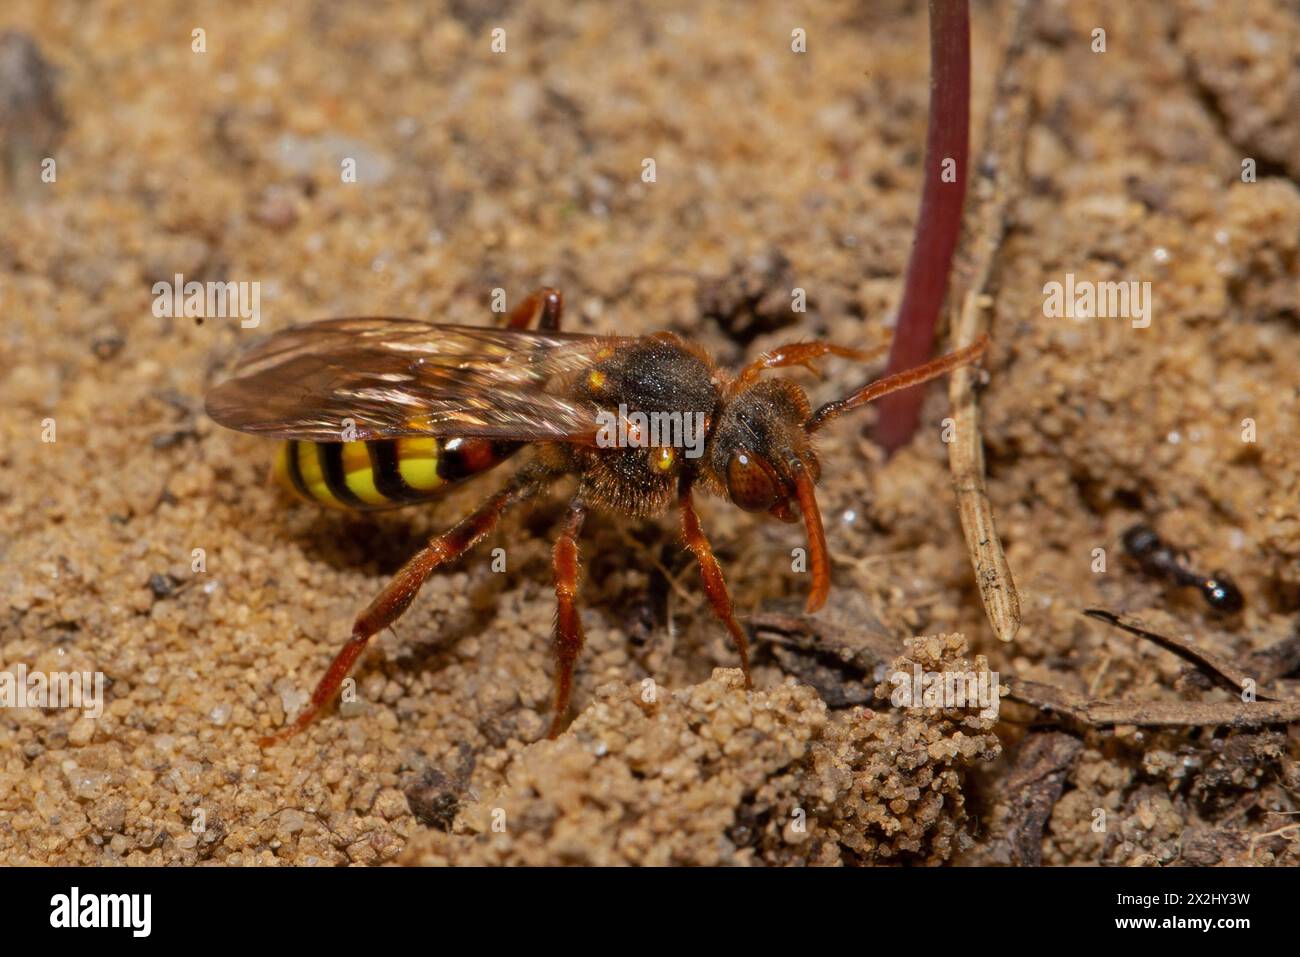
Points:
x=568, y=625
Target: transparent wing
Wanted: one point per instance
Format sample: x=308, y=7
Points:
x=391, y=377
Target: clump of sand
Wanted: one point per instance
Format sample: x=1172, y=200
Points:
x=713, y=774
x=906, y=800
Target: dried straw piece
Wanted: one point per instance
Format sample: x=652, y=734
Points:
x=998, y=172
x=1225, y=672
x=1156, y=714
x=1163, y=714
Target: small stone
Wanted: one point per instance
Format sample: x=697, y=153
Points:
x=391, y=804
x=81, y=732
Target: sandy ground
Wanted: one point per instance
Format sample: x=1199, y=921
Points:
x=478, y=170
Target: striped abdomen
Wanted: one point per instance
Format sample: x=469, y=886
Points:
x=384, y=473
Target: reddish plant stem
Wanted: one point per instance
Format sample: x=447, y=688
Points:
x=938, y=224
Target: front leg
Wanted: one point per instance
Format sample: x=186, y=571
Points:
x=800, y=354
x=568, y=625
x=714, y=586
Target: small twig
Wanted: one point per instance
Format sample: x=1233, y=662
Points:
x=998, y=177
x=1255, y=841
x=865, y=645
x=1160, y=714
x=1225, y=672
x=1164, y=714
x=1101, y=673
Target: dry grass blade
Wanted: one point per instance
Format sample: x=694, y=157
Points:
x=1225, y=672
x=1157, y=714
x=998, y=172
x=1259, y=710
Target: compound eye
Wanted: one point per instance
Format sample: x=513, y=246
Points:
x=750, y=483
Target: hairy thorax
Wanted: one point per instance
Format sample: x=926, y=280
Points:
x=659, y=401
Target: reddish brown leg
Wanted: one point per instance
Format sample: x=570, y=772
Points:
x=568, y=626
x=389, y=605
x=714, y=586
x=546, y=305
x=818, y=557
x=801, y=354
x=899, y=380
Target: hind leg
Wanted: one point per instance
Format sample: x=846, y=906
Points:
x=568, y=625
x=397, y=596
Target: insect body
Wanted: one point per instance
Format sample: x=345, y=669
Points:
x=383, y=473
x=1159, y=560
x=380, y=412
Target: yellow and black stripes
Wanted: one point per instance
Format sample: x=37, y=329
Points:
x=384, y=473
